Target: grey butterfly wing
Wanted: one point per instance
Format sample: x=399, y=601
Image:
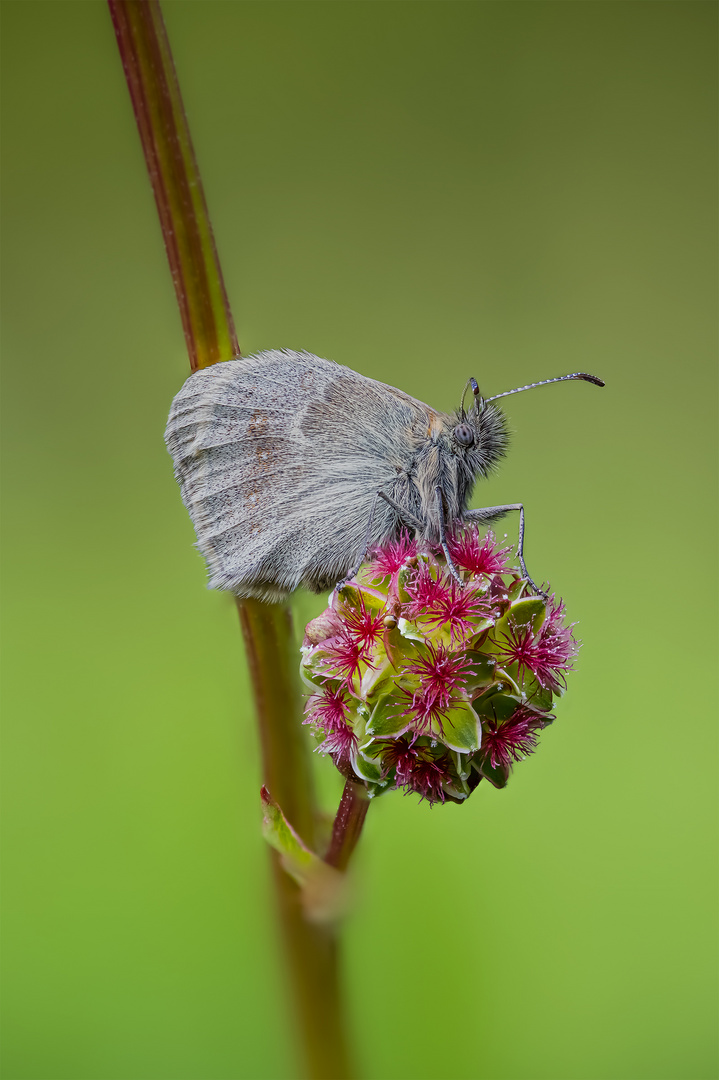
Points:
x=279, y=456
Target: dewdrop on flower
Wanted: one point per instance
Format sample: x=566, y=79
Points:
x=419, y=685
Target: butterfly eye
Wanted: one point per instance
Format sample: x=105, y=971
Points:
x=464, y=434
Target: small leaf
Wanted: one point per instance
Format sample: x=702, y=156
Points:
x=497, y=707
x=400, y=650
x=481, y=672
x=537, y=696
x=372, y=578
x=310, y=679
x=516, y=589
x=506, y=679
x=530, y=609
x=278, y=832
x=323, y=887
x=457, y=792
x=386, y=718
x=376, y=681
x=410, y=630
x=497, y=776
x=462, y=764
x=459, y=728
x=369, y=769
x=352, y=597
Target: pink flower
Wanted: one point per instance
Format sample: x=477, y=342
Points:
x=416, y=769
x=439, y=674
x=363, y=627
x=433, y=680
x=503, y=743
x=455, y=608
x=391, y=557
x=425, y=591
x=341, y=659
x=328, y=711
x=547, y=654
x=427, y=779
x=559, y=644
x=400, y=755
x=341, y=742
x=478, y=556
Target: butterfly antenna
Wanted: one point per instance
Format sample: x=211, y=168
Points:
x=560, y=378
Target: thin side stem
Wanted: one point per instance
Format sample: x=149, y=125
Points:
x=348, y=825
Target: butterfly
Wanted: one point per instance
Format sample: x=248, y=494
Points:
x=293, y=468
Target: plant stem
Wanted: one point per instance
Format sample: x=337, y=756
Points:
x=348, y=825
x=312, y=954
x=311, y=951
x=175, y=177
x=286, y=769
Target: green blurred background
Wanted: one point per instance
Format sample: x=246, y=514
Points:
x=422, y=191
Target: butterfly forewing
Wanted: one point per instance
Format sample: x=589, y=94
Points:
x=279, y=467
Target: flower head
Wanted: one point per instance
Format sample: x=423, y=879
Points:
x=424, y=685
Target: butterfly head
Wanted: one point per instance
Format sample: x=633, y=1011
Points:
x=478, y=435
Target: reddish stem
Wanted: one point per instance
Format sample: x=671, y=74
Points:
x=165, y=135
x=348, y=825
x=272, y=660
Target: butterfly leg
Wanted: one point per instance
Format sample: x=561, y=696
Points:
x=406, y=516
x=443, y=539
x=493, y=513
